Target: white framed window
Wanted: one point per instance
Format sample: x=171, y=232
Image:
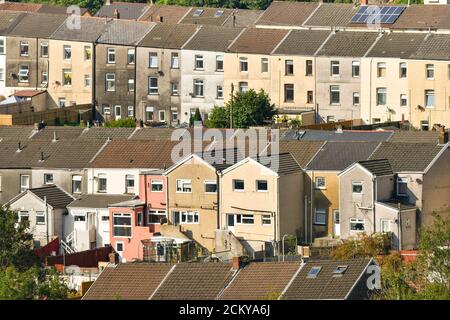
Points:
x=335, y=69
x=87, y=80
x=330, y=119
x=48, y=178
x=403, y=100
x=238, y=185
x=356, y=98
x=264, y=65
x=266, y=219
x=355, y=69
x=155, y=216
x=129, y=183
x=376, y=120
x=320, y=183
x=162, y=115
x=122, y=225
x=289, y=67
x=309, y=96
x=153, y=86
x=67, y=52
x=381, y=96
x=184, y=185
x=174, y=115
x=44, y=77
x=219, y=92
x=288, y=92
x=403, y=73
x=219, y=63
x=174, y=60
x=67, y=77
x=381, y=69
x=106, y=110
x=210, y=186
x=185, y=217
x=429, y=69
x=245, y=219
x=24, y=73
x=24, y=216
x=110, y=82
x=309, y=67
x=111, y=56
x=130, y=111
x=130, y=85
x=24, y=182
x=261, y=186
x=44, y=49
x=199, y=65
x=24, y=48
x=40, y=217
x=199, y=88
x=335, y=95
x=385, y=225
x=153, y=60
x=149, y=113
x=131, y=56
x=87, y=53
x=76, y=184
x=357, y=225
x=174, y=89
x=2, y=46
x=320, y=216
x=243, y=86
x=2, y=74
x=79, y=217
x=429, y=98
x=402, y=186
x=357, y=187
x=424, y=125
x=157, y=185
x=102, y=183
x=243, y=64
x=62, y=102
x=120, y=247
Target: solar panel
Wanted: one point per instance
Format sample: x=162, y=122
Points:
x=375, y=14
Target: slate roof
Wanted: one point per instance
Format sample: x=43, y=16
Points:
x=62, y=133
x=258, y=40
x=287, y=13
x=332, y=15
x=325, y=285
x=348, y=44
x=434, y=47
x=195, y=281
x=17, y=6
x=346, y=135
x=396, y=45
x=302, y=42
x=153, y=134
x=125, y=32
x=90, y=30
x=127, y=10
x=8, y=20
x=258, y=281
x=98, y=200
x=282, y=163
x=212, y=38
x=415, y=136
x=407, y=157
x=145, y=154
x=170, y=14
x=104, y=133
x=393, y=203
x=29, y=152
x=379, y=167
x=16, y=133
x=302, y=151
x=243, y=18
x=55, y=196
x=424, y=17
x=168, y=36
x=207, y=17
x=37, y=25
x=338, y=155
x=128, y=281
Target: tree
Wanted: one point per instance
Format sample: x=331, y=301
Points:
x=249, y=108
x=127, y=122
x=197, y=117
x=16, y=243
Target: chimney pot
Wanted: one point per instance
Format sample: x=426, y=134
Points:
x=116, y=14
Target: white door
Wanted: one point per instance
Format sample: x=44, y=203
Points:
x=231, y=220
x=118, y=112
x=337, y=223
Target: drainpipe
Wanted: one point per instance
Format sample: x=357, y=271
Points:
x=375, y=186
x=37, y=64
x=46, y=219
x=306, y=219
x=399, y=226
x=311, y=205
x=134, y=102
x=94, y=81
x=218, y=199
x=370, y=92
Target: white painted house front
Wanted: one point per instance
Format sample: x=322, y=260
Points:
x=2, y=67
x=113, y=181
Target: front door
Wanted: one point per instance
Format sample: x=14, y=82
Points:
x=230, y=221
x=336, y=223
x=118, y=112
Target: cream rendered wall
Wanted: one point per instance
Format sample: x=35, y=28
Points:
x=394, y=85
x=418, y=83
x=302, y=82
x=211, y=77
x=198, y=201
x=255, y=78
x=77, y=92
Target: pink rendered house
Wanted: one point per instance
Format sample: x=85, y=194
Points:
x=133, y=221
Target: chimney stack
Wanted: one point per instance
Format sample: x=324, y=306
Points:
x=116, y=14
x=364, y=2
x=236, y=263
x=160, y=19
x=107, y=2
x=443, y=134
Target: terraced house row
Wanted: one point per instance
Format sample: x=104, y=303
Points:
x=92, y=187
x=160, y=63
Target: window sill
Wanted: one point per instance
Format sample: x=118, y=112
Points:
x=320, y=224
